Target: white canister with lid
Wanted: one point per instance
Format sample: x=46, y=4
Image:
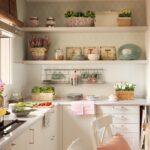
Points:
x=50, y=22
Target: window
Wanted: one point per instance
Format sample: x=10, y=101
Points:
x=5, y=60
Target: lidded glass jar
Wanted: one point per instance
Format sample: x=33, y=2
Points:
x=59, y=55
x=33, y=21
x=50, y=22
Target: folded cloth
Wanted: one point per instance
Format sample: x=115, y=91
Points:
x=77, y=107
x=83, y=108
x=89, y=108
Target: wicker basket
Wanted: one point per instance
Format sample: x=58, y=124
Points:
x=38, y=53
x=124, y=21
x=80, y=22
x=125, y=95
x=42, y=96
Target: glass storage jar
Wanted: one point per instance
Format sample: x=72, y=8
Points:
x=50, y=22
x=59, y=55
x=33, y=22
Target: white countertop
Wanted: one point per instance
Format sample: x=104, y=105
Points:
x=30, y=120
x=137, y=102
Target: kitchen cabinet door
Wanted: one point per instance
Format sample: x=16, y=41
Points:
x=74, y=127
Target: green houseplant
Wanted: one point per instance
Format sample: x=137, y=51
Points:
x=125, y=17
x=79, y=18
x=124, y=90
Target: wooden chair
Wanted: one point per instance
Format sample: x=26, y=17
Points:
x=76, y=145
x=100, y=129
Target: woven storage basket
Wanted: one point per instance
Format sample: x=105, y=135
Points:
x=42, y=96
x=124, y=21
x=125, y=95
x=38, y=53
x=80, y=22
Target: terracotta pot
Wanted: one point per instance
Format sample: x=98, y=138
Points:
x=124, y=21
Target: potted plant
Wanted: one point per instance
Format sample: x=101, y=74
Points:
x=79, y=18
x=124, y=90
x=124, y=17
x=39, y=47
x=43, y=93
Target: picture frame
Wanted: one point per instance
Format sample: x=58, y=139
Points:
x=108, y=53
x=73, y=52
x=90, y=50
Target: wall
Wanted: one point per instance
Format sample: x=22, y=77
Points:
x=57, y=10
x=17, y=50
x=113, y=73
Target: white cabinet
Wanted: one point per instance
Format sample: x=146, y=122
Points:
x=76, y=126
x=126, y=120
x=19, y=144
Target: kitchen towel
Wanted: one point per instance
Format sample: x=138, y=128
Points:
x=83, y=108
x=89, y=108
x=77, y=107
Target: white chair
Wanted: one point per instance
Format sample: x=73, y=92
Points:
x=100, y=129
x=76, y=145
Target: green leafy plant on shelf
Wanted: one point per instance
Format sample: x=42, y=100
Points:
x=125, y=13
x=86, y=14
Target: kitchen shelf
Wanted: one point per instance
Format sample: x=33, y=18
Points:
x=86, y=62
x=86, y=29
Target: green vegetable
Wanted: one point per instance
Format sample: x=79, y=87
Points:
x=44, y=89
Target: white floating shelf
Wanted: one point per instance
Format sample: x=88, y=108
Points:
x=85, y=62
x=86, y=29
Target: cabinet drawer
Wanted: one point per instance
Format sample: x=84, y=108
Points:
x=133, y=118
x=117, y=109
x=123, y=128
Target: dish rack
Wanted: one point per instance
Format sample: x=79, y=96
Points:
x=63, y=76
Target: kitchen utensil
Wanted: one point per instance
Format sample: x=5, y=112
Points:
x=75, y=96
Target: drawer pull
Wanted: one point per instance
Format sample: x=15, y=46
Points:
x=120, y=108
x=120, y=117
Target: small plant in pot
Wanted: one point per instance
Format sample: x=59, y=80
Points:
x=39, y=47
x=124, y=90
x=79, y=18
x=125, y=17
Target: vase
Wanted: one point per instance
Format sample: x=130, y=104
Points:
x=125, y=95
x=124, y=21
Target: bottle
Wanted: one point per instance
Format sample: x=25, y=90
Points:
x=50, y=22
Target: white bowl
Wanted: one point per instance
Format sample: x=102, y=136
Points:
x=93, y=56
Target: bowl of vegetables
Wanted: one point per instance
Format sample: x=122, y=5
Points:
x=22, y=111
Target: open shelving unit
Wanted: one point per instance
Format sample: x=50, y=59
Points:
x=86, y=29
x=84, y=62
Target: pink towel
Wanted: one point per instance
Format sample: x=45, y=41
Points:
x=89, y=108
x=83, y=108
x=77, y=107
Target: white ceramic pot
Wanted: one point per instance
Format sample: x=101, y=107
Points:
x=93, y=56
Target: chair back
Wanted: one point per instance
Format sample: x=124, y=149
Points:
x=76, y=145
x=101, y=130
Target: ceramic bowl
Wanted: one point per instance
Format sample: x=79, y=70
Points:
x=93, y=56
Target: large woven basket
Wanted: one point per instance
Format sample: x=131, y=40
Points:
x=42, y=96
x=125, y=95
x=38, y=53
x=80, y=22
x=124, y=21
